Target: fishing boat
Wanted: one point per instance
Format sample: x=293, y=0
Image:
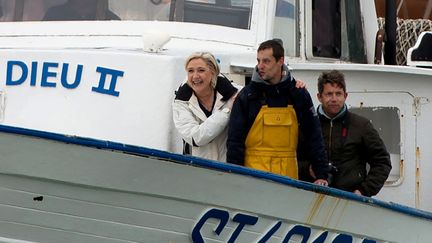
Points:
x=89, y=152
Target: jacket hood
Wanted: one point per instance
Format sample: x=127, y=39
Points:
x=286, y=75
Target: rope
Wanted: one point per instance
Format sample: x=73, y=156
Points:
x=407, y=33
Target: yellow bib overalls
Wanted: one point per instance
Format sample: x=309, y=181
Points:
x=271, y=144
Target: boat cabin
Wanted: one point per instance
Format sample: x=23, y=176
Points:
x=309, y=29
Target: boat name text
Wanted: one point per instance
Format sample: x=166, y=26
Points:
x=244, y=220
x=18, y=72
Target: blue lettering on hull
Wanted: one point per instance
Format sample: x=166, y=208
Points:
x=244, y=220
x=53, y=74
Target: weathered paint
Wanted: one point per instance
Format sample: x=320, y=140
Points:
x=417, y=177
x=316, y=205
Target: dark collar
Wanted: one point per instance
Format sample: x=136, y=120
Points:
x=223, y=87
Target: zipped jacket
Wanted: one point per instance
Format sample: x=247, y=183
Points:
x=352, y=142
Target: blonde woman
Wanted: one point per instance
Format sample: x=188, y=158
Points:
x=202, y=107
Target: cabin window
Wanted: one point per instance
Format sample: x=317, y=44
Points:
x=71, y=10
x=285, y=25
x=326, y=28
x=231, y=13
x=386, y=121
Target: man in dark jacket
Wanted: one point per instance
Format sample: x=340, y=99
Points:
x=266, y=117
x=351, y=140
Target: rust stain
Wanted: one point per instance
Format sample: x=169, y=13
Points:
x=401, y=170
x=336, y=212
x=341, y=212
x=315, y=207
x=333, y=215
x=401, y=175
x=330, y=213
x=417, y=179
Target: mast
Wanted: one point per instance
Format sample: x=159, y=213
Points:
x=390, y=29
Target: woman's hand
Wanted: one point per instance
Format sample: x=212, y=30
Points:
x=230, y=102
x=300, y=84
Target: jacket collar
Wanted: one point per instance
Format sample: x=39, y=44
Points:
x=223, y=87
x=341, y=113
x=286, y=76
x=196, y=109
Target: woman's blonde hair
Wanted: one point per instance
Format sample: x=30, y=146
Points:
x=211, y=62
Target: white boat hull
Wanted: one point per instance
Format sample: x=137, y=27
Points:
x=66, y=189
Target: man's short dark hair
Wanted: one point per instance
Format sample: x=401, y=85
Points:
x=275, y=45
x=331, y=77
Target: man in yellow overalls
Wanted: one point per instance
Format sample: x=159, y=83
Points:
x=266, y=118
